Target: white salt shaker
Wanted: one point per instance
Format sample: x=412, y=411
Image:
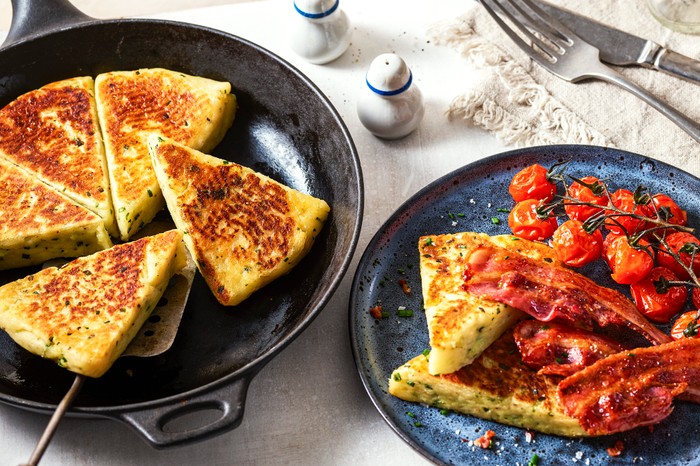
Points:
x=320, y=31
x=390, y=105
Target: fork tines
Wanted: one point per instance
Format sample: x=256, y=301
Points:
x=544, y=33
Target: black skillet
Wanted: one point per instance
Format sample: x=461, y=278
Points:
x=285, y=128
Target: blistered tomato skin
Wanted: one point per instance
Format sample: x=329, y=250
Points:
x=574, y=246
x=656, y=306
x=532, y=183
x=686, y=326
x=525, y=223
x=627, y=263
x=623, y=199
x=582, y=193
x=676, y=241
x=663, y=203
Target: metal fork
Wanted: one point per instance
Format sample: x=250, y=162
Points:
x=560, y=51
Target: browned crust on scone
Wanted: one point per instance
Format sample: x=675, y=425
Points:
x=52, y=131
x=500, y=372
x=28, y=206
x=231, y=205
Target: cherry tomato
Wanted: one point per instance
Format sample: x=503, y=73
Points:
x=686, y=326
x=628, y=264
x=623, y=199
x=676, y=241
x=525, y=223
x=584, y=194
x=532, y=183
x=666, y=209
x=655, y=305
x=574, y=246
x=696, y=297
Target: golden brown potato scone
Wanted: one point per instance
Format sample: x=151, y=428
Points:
x=461, y=325
x=53, y=133
x=84, y=314
x=242, y=228
x=39, y=223
x=192, y=110
x=496, y=386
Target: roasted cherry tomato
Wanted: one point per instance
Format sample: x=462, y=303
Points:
x=525, y=223
x=666, y=209
x=677, y=241
x=583, y=193
x=574, y=246
x=627, y=263
x=696, y=297
x=686, y=326
x=623, y=199
x=660, y=304
x=532, y=183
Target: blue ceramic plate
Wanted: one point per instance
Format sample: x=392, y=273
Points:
x=468, y=199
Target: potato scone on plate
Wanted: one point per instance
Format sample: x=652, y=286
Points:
x=53, y=133
x=242, y=228
x=497, y=386
x=84, y=314
x=461, y=325
x=192, y=110
x=39, y=223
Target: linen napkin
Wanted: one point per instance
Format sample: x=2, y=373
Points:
x=521, y=103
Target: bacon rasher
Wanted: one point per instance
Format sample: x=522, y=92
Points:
x=632, y=388
x=547, y=291
x=558, y=349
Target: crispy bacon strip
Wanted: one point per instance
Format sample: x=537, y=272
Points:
x=547, y=291
x=632, y=388
x=558, y=349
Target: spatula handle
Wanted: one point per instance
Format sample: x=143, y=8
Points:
x=58, y=414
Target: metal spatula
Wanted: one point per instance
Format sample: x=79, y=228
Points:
x=155, y=337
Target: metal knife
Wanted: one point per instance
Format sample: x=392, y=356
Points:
x=624, y=49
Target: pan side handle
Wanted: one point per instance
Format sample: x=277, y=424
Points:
x=171, y=425
x=34, y=17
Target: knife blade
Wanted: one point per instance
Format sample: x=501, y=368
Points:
x=624, y=49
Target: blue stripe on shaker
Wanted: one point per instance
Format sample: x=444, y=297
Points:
x=394, y=92
x=318, y=15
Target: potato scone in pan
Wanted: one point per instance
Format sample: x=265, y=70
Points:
x=39, y=223
x=84, y=314
x=242, y=228
x=53, y=133
x=192, y=110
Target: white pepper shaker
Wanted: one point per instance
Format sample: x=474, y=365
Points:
x=320, y=31
x=390, y=105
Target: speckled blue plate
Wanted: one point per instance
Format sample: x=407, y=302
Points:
x=468, y=199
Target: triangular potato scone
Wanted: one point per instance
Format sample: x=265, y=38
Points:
x=54, y=134
x=84, y=314
x=242, y=228
x=192, y=110
x=460, y=325
x=39, y=223
x=497, y=386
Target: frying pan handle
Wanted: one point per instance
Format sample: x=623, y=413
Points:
x=156, y=425
x=33, y=17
